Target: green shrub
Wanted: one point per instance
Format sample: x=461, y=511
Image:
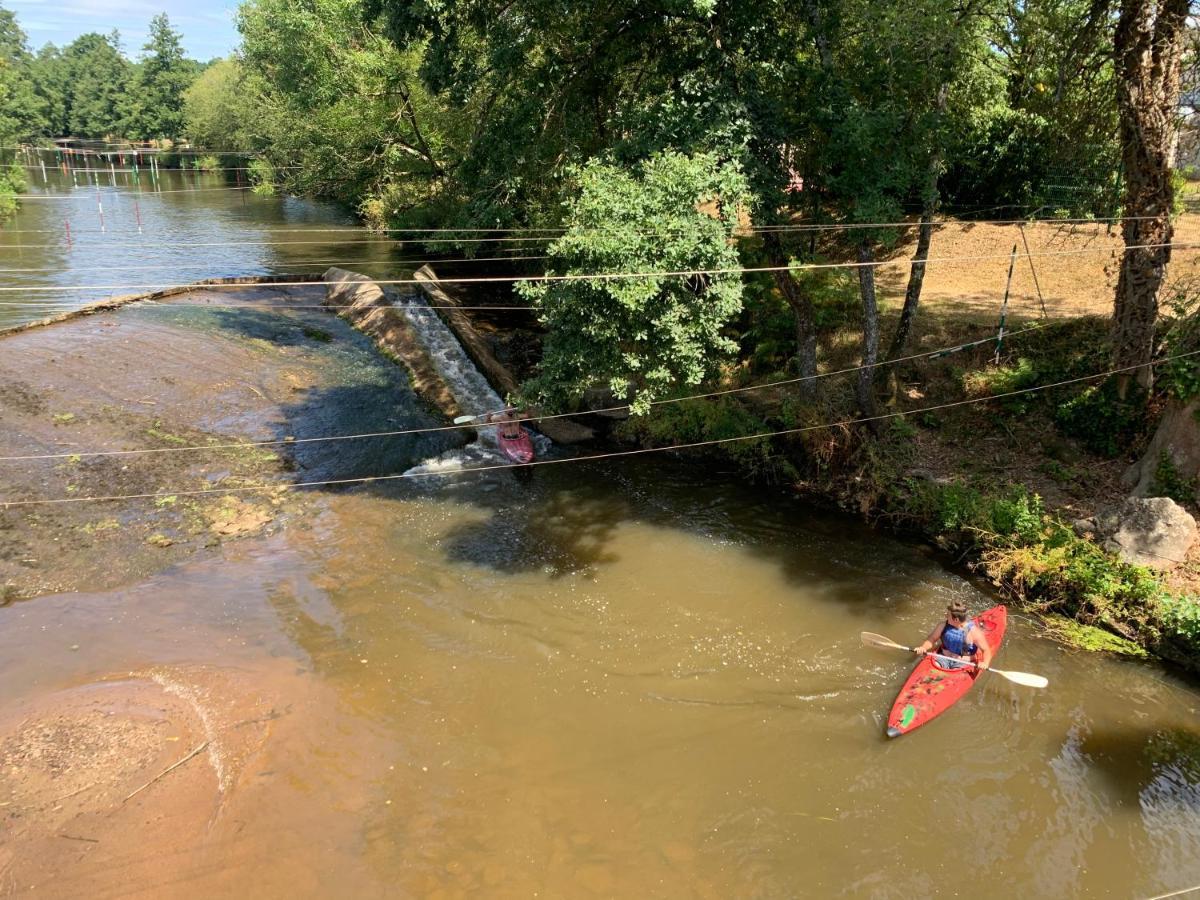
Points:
x=17, y=180
x=262, y=177
x=1003, y=380
x=708, y=420
x=1000, y=379
x=1104, y=423
x=207, y=163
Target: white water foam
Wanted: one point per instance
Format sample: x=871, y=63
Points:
x=466, y=382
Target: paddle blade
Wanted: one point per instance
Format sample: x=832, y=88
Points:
x=1025, y=678
x=878, y=640
x=463, y=420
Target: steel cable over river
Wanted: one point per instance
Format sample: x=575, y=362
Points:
x=627, y=678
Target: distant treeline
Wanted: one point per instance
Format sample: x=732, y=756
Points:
x=90, y=88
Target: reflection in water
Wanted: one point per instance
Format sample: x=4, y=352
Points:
x=192, y=226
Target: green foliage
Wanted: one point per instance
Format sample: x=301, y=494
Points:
x=262, y=177
x=157, y=89
x=1013, y=517
x=22, y=112
x=695, y=421
x=1102, y=421
x=99, y=103
x=208, y=163
x=1180, y=378
x=1170, y=482
x=1091, y=638
x=1039, y=557
x=1181, y=620
x=1050, y=139
x=12, y=182
x=17, y=180
x=89, y=88
x=996, y=380
x=1000, y=379
x=329, y=93
x=222, y=108
x=646, y=334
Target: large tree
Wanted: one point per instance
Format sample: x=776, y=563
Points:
x=1149, y=47
x=98, y=85
x=650, y=333
x=342, y=101
x=223, y=109
x=22, y=112
x=162, y=77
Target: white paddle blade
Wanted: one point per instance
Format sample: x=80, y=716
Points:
x=1025, y=678
x=878, y=640
x=463, y=420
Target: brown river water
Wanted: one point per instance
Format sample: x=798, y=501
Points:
x=629, y=681
x=625, y=679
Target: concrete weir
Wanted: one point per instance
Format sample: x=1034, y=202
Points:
x=446, y=358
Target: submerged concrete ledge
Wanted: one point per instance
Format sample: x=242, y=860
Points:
x=112, y=303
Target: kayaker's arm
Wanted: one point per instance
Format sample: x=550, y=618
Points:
x=930, y=643
x=984, y=658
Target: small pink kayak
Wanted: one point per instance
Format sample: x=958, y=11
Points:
x=518, y=448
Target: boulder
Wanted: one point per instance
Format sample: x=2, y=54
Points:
x=1148, y=531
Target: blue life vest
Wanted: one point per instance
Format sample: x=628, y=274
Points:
x=954, y=640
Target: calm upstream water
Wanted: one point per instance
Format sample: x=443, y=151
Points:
x=615, y=680
x=96, y=232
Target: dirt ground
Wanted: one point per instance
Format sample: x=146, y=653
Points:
x=1076, y=268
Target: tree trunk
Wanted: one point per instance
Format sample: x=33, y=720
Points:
x=916, y=275
x=802, y=311
x=870, y=354
x=1148, y=47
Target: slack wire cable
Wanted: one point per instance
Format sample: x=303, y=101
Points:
x=609, y=276
x=618, y=408
x=297, y=264
x=593, y=457
x=552, y=232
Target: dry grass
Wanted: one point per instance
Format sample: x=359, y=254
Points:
x=1076, y=265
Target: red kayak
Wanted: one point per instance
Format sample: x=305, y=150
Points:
x=932, y=689
x=518, y=448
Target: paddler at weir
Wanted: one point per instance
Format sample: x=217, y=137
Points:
x=507, y=422
x=958, y=637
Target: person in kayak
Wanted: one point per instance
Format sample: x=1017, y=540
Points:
x=959, y=638
x=507, y=422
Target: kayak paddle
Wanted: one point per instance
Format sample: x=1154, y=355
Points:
x=463, y=420
x=1025, y=678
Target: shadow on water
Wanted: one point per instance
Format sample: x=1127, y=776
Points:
x=363, y=393
x=563, y=520
x=1142, y=764
x=566, y=534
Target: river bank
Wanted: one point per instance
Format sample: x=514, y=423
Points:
x=996, y=484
